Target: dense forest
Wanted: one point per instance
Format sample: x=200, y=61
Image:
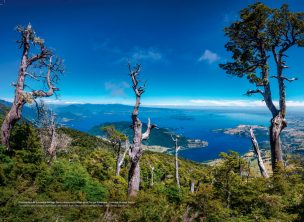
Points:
x=52, y=173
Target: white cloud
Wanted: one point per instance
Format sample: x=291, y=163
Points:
x=182, y=103
x=61, y=102
x=241, y=103
x=147, y=54
x=116, y=89
x=112, y=87
x=294, y=103
x=209, y=57
x=8, y=99
x=138, y=55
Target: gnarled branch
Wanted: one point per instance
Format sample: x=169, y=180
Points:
x=150, y=126
x=285, y=78
x=51, y=87
x=251, y=92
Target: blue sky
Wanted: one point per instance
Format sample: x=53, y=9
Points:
x=179, y=44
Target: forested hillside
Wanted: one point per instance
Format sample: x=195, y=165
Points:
x=85, y=171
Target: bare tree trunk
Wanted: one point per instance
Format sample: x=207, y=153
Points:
x=120, y=158
x=135, y=154
x=53, y=146
x=134, y=178
x=117, y=171
x=278, y=122
x=16, y=110
x=277, y=125
x=136, y=150
x=192, y=186
x=228, y=198
x=10, y=120
x=176, y=169
x=258, y=154
x=177, y=148
x=152, y=175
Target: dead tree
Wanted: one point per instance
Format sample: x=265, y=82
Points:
x=121, y=158
x=192, y=186
x=152, y=174
x=43, y=59
x=136, y=150
x=176, y=148
x=52, y=148
x=258, y=154
x=50, y=139
x=117, y=139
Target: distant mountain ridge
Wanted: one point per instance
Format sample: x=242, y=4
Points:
x=28, y=112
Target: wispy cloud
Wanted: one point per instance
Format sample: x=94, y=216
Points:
x=134, y=55
x=147, y=54
x=116, y=89
x=241, y=103
x=61, y=102
x=138, y=55
x=7, y=99
x=209, y=57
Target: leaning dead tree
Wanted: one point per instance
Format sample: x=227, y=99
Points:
x=192, y=186
x=51, y=140
x=37, y=63
x=259, y=35
x=120, y=145
x=176, y=148
x=152, y=174
x=258, y=154
x=136, y=150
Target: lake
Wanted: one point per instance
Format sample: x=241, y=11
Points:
x=192, y=123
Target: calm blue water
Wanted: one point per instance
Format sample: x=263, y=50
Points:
x=201, y=126
x=196, y=124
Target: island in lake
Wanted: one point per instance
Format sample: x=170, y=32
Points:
x=160, y=140
x=292, y=136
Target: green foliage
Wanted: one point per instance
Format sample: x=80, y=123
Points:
x=114, y=135
x=100, y=164
x=117, y=188
x=86, y=172
x=259, y=33
x=27, y=152
x=149, y=207
x=84, y=140
x=174, y=195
